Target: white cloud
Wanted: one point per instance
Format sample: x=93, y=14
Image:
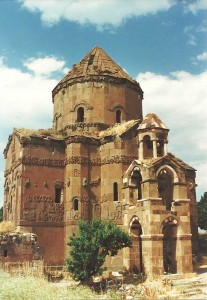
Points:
x=180, y=102
x=45, y=66
x=202, y=56
x=99, y=13
x=197, y=5
x=26, y=99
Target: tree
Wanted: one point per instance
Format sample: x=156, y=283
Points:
x=202, y=212
x=89, y=248
x=1, y=214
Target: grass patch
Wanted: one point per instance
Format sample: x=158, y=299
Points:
x=24, y=288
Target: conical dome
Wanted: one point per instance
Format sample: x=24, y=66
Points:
x=96, y=90
x=152, y=121
x=95, y=64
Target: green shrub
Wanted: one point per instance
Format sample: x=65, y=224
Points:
x=88, y=250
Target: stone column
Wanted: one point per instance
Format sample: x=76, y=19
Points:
x=152, y=254
x=154, y=148
x=141, y=149
x=165, y=148
x=184, y=253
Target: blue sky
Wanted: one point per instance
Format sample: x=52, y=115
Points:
x=160, y=43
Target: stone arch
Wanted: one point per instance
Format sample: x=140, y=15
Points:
x=120, y=112
x=175, y=176
x=135, y=180
x=136, y=261
x=170, y=231
x=84, y=104
x=166, y=176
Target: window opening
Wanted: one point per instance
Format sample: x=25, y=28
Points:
x=118, y=116
x=115, y=188
x=148, y=147
x=91, y=58
x=136, y=180
x=80, y=114
x=165, y=188
x=75, y=204
x=57, y=195
x=5, y=253
x=160, y=148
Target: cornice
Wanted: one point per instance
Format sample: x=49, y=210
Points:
x=96, y=78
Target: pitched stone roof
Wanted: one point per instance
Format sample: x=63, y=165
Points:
x=152, y=121
x=172, y=158
x=96, y=63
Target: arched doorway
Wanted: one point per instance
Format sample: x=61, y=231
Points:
x=136, y=264
x=169, y=247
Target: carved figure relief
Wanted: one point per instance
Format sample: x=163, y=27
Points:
x=42, y=209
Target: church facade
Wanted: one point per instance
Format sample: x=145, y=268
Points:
x=103, y=159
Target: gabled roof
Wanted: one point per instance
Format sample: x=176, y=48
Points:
x=152, y=121
x=96, y=63
x=172, y=158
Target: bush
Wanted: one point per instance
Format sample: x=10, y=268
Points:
x=7, y=226
x=202, y=212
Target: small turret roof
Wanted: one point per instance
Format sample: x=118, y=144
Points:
x=96, y=63
x=152, y=121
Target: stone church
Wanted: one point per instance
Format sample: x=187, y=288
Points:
x=103, y=159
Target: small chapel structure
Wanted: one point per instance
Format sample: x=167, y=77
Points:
x=102, y=159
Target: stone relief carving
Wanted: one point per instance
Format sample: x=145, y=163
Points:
x=41, y=208
x=34, y=160
x=37, y=161
x=95, y=182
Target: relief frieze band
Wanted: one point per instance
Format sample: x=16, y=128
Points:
x=39, y=161
x=83, y=160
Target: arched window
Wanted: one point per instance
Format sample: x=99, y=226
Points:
x=115, y=191
x=80, y=114
x=118, y=116
x=75, y=204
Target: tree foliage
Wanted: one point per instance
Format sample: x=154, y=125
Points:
x=1, y=214
x=89, y=248
x=202, y=212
